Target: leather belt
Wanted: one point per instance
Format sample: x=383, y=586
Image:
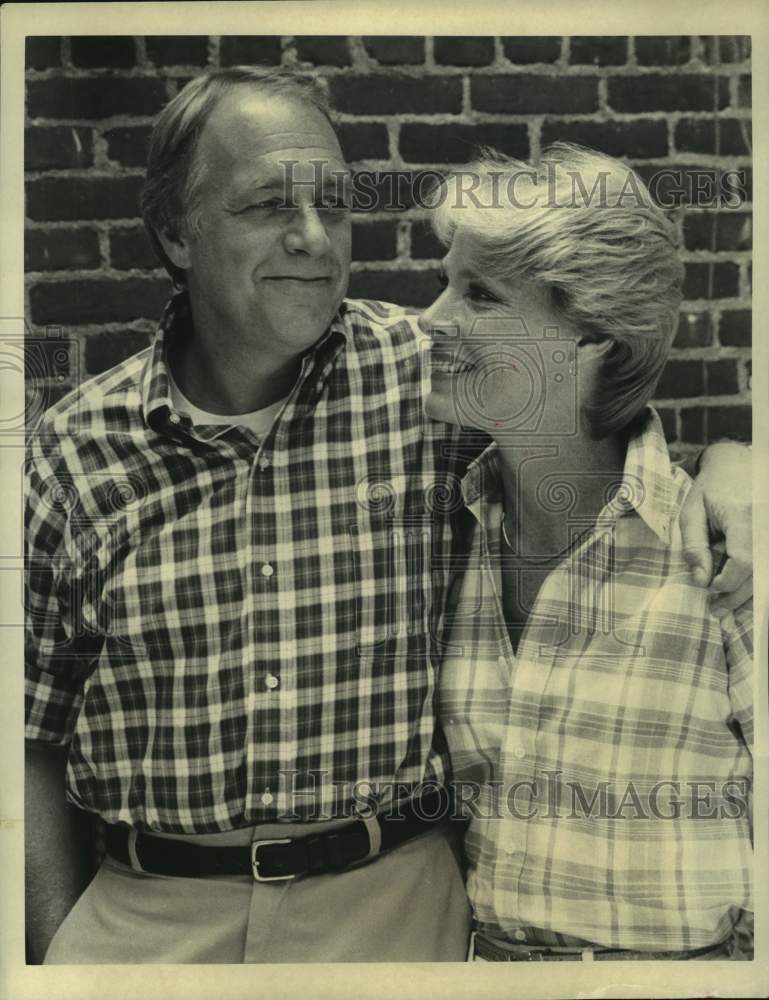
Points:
x=282, y=858
x=491, y=952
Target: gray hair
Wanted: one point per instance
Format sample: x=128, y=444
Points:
x=174, y=171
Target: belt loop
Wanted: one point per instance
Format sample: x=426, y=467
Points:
x=587, y=955
x=374, y=836
x=133, y=833
x=471, y=949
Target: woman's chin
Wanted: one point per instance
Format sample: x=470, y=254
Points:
x=437, y=407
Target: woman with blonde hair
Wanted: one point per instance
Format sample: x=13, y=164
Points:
x=598, y=713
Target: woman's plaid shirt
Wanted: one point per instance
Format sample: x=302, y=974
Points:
x=227, y=631
x=606, y=764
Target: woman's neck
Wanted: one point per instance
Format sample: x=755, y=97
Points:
x=555, y=486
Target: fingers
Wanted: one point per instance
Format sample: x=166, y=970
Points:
x=735, y=574
x=721, y=604
x=694, y=536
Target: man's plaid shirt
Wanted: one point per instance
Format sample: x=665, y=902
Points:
x=625, y=695
x=227, y=631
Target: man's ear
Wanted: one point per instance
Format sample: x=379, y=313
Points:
x=177, y=248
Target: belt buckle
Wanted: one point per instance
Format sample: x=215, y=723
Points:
x=255, y=845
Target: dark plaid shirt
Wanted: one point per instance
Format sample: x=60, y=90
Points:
x=227, y=631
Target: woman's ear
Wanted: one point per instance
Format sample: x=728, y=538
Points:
x=594, y=348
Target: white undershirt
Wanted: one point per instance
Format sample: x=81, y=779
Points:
x=258, y=421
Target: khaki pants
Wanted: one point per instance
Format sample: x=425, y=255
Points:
x=408, y=905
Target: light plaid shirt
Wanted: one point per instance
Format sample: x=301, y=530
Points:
x=225, y=631
x=624, y=696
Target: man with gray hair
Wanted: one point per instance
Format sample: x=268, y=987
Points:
x=238, y=552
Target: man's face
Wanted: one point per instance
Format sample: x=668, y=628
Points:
x=269, y=258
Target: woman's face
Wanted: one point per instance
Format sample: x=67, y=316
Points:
x=502, y=359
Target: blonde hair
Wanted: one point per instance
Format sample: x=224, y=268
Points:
x=585, y=225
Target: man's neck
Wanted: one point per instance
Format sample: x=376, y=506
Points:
x=230, y=382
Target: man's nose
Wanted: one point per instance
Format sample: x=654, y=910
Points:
x=307, y=234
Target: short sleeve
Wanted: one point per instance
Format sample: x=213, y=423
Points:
x=54, y=658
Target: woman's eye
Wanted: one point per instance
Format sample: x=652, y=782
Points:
x=481, y=294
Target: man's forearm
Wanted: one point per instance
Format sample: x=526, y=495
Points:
x=59, y=847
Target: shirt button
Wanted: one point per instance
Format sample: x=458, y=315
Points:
x=520, y=753
x=267, y=799
x=175, y=418
x=511, y=848
x=267, y=570
x=520, y=935
x=264, y=463
x=271, y=682
x=502, y=661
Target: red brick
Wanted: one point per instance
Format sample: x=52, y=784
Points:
x=425, y=245
x=460, y=143
x=177, y=50
x=735, y=328
x=721, y=378
x=128, y=145
x=323, y=50
x=97, y=300
x=693, y=425
x=734, y=422
x=42, y=51
x=681, y=378
x=463, y=50
x=643, y=137
x=132, y=248
x=47, y=148
x=390, y=94
x=718, y=231
x=56, y=249
x=698, y=135
x=698, y=283
x=598, y=50
x=101, y=97
x=660, y=50
x=718, y=49
x=525, y=49
x=745, y=92
x=694, y=330
x=97, y=51
x=73, y=198
x=653, y=92
x=405, y=288
x=395, y=50
x=247, y=49
x=530, y=95
x=105, y=350
x=374, y=240
x=363, y=141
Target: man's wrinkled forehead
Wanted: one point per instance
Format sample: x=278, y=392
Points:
x=248, y=123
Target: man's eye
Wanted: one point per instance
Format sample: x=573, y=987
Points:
x=275, y=202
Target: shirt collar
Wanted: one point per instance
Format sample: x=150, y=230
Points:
x=646, y=487
x=176, y=321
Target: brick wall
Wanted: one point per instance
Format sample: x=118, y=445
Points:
x=404, y=103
